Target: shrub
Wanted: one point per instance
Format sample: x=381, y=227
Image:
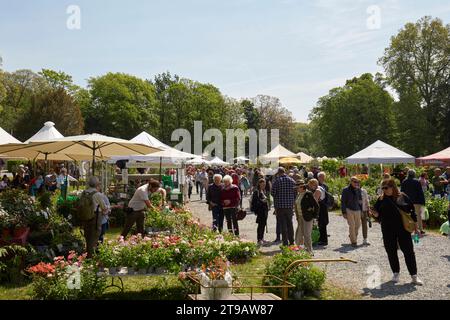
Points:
x=13, y=260
x=306, y=278
x=437, y=209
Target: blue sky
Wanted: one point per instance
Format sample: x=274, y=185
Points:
x=295, y=50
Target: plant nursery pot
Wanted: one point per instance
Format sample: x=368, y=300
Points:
x=220, y=290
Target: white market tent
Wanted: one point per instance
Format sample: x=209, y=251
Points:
x=47, y=132
x=277, y=153
x=380, y=153
x=168, y=156
x=197, y=161
x=304, y=158
x=241, y=159
x=6, y=138
x=149, y=140
x=218, y=162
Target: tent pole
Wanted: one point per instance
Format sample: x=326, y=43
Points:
x=93, y=161
x=160, y=169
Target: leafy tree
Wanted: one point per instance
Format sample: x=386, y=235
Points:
x=252, y=119
x=272, y=115
x=352, y=117
x=418, y=59
x=19, y=86
x=51, y=105
x=120, y=105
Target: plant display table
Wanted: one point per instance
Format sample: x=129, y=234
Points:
x=241, y=296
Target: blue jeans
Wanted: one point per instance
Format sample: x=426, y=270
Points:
x=217, y=213
x=105, y=226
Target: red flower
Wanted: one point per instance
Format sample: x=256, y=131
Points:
x=42, y=269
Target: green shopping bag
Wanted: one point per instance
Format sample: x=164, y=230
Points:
x=445, y=228
x=315, y=235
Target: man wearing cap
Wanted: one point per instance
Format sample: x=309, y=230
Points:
x=413, y=189
x=351, y=206
x=283, y=192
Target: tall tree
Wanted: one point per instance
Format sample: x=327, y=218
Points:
x=418, y=59
x=120, y=105
x=251, y=115
x=272, y=115
x=51, y=105
x=350, y=118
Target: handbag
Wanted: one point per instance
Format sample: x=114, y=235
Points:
x=408, y=223
x=240, y=215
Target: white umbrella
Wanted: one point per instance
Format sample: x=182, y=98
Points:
x=90, y=145
x=46, y=133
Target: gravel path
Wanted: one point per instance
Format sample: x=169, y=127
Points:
x=433, y=259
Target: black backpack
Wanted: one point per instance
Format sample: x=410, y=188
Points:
x=329, y=200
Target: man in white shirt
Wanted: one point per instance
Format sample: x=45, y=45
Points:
x=138, y=204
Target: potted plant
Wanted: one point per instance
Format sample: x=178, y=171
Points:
x=216, y=280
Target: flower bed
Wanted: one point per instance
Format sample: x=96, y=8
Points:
x=68, y=278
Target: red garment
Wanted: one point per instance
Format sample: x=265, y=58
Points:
x=235, y=179
x=233, y=194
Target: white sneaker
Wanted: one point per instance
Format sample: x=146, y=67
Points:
x=366, y=243
x=396, y=278
x=416, y=281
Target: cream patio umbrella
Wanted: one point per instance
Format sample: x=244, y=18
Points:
x=90, y=145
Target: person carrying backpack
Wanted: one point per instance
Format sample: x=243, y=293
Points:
x=91, y=209
x=306, y=210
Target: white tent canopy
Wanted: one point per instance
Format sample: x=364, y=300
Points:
x=166, y=157
x=218, y=162
x=47, y=132
x=198, y=161
x=279, y=152
x=304, y=158
x=6, y=138
x=149, y=140
x=380, y=153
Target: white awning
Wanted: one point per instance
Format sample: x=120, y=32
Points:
x=379, y=153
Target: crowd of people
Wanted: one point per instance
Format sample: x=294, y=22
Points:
x=300, y=192
x=36, y=182
x=303, y=193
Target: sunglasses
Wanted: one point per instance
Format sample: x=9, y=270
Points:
x=385, y=188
